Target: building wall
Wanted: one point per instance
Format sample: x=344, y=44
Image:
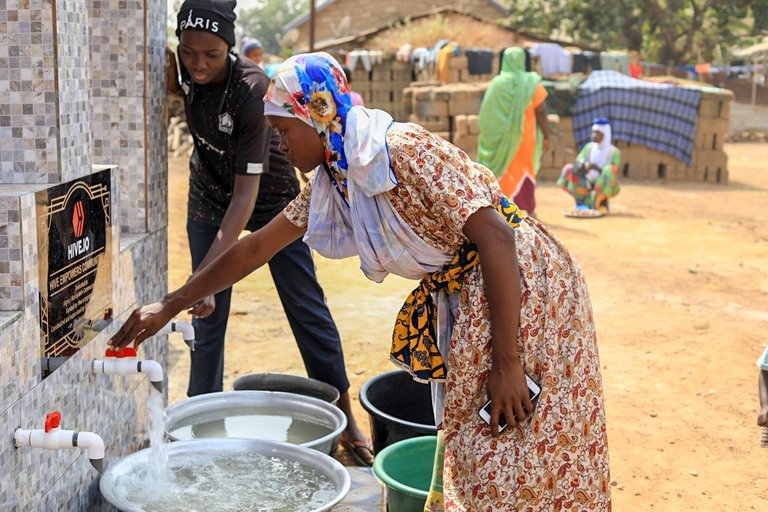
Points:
x=376, y=13
x=82, y=83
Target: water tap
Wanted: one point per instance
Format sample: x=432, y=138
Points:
x=185, y=328
x=53, y=438
x=125, y=362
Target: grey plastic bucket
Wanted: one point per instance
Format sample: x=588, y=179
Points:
x=287, y=383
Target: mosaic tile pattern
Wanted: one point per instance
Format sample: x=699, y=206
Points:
x=10, y=336
x=117, y=47
x=118, y=59
x=155, y=105
x=63, y=110
x=74, y=77
x=11, y=285
x=10, y=420
x=28, y=117
x=157, y=164
x=119, y=140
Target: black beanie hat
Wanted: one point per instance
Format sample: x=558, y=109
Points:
x=214, y=16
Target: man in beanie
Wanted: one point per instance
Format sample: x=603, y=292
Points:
x=239, y=180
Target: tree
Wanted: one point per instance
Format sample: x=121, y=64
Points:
x=671, y=32
x=266, y=20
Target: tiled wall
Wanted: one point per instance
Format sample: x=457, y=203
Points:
x=77, y=96
x=28, y=120
x=127, y=46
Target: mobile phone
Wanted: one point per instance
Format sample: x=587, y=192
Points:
x=534, y=389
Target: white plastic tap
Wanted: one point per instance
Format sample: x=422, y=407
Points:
x=125, y=362
x=185, y=328
x=53, y=438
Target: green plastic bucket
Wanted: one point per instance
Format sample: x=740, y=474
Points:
x=405, y=469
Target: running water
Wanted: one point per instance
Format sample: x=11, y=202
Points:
x=224, y=483
x=158, y=456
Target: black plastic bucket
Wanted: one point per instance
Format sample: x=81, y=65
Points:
x=399, y=408
x=287, y=383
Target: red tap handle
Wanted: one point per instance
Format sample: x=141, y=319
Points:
x=52, y=421
x=123, y=352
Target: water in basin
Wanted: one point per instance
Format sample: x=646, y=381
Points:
x=225, y=482
x=271, y=427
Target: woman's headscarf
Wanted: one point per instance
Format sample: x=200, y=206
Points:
x=313, y=88
x=502, y=112
x=600, y=154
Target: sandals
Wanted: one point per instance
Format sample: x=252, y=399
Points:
x=357, y=449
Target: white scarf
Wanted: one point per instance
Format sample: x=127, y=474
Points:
x=370, y=227
x=600, y=154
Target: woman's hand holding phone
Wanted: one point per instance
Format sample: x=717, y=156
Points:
x=509, y=394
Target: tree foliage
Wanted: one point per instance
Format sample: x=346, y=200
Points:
x=266, y=19
x=668, y=31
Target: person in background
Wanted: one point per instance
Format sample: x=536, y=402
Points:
x=514, y=129
x=594, y=178
x=762, y=418
x=240, y=180
x=357, y=98
x=254, y=50
x=499, y=295
x=635, y=65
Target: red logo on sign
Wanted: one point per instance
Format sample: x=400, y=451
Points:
x=78, y=219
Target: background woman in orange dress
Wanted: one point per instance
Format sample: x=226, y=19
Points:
x=510, y=143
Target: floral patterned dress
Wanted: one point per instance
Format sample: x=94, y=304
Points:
x=557, y=459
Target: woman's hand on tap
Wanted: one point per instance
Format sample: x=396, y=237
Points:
x=143, y=323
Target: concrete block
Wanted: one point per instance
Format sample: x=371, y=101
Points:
x=382, y=72
x=460, y=126
x=458, y=63
x=465, y=102
x=437, y=124
x=473, y=123
x=431, y=109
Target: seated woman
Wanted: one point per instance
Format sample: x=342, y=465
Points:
x=594, y=178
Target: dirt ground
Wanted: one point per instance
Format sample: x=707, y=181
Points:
x=678, y=281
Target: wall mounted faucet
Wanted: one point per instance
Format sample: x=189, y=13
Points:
x=53, y=438
x=125, y=362
x=185, y=328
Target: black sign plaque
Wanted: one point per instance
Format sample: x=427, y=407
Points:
x=75, y=246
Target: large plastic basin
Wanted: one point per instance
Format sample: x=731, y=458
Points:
x=405, y=470
x=399, y=408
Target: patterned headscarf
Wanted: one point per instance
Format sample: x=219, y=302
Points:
x=313, y=88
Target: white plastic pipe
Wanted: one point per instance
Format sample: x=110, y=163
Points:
x=185, y=328
x=57, y=439
x=113, y=366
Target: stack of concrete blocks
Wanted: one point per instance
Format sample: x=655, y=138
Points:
x=458, y=71
x=709, y=162
x=449, y=111
x=562, y=148
x=382, y=86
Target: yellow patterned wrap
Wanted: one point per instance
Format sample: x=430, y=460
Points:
x=414, y=340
